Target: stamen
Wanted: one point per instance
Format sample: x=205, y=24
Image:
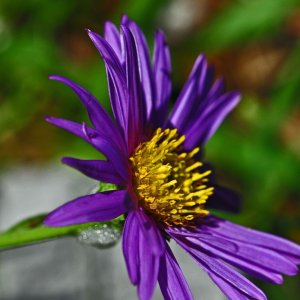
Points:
x=168, y=182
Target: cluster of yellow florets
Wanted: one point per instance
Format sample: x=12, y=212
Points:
x=168, y=183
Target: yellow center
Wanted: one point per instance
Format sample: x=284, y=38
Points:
x=168, y=182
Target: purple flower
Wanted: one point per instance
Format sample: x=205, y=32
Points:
x=165, y=189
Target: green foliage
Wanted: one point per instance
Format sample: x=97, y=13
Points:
x=245, y=21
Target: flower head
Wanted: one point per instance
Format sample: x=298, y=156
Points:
x=165, y=188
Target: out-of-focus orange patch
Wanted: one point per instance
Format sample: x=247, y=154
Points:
x=290, y=132
x=253, y=68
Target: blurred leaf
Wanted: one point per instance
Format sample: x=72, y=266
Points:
x=244, y=21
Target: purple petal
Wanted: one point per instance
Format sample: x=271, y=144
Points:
x=97, y=114
x=119, y=97
x=207, y=123
x=116, y=79
x=112, y=35
x=143, y=247
x=189, y=95
x=229, y=290
x=97, y=169
x=73, y=127
x=236, y=232
x=229, y=255
x=217, y=89
x=198, y=93
x=201, y=106
x=293, y=258
x=136, y=112
x=99, y=207
x=162, y=77
x=149, y=266
x=144, y=64
x=262, y=257
x=118, y=159
x=240, y=249
x=130, y=249
x=106, y=51
x=171, y=279
x=211, y=265
x=224, y=199
x=150, y=230
x=257, y=260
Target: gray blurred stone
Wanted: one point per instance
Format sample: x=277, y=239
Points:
x=66, y=269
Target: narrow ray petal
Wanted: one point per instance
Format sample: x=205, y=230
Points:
x=264, y=250
x=171, y=279
x=106, y=51
x=119, y=98
x=258, y=270
x=293, y=258
x=236, y=232
x=93, y=137
x=217, y=89
x=117, y=158
x=201, y=107
x=198, y=93
x=99, y=207
x=228, y=251
x=260, y=256
x=101, y=170
x=212, y=265
x=149, y=267
x=231, y=292
x=186, y=101
x=207, y=123
x=71, y=126
x=144, y=64
x=149, y=227
x=130, y=249
x=112, y=35
x=162, y=77
x=97, y=114
x=143, y=247
x=136, y=109
x=116, y=78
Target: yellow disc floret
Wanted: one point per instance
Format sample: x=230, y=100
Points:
x=168, y=182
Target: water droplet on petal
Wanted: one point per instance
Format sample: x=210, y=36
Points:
x=100, y=236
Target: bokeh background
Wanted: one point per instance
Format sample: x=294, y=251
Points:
x=254, y=44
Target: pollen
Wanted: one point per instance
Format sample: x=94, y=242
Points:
x=168, y=182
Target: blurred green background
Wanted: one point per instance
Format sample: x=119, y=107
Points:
x=254, y=44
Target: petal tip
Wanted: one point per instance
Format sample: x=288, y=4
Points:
x=48, y=119
x=91, y=34
x=48, y=221
x=56, y=77
x=66, y=160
